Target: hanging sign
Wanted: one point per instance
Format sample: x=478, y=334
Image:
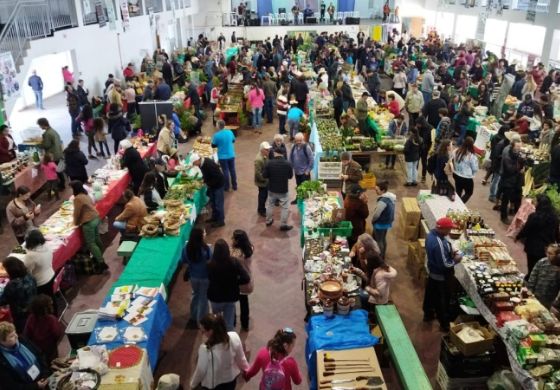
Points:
x=125, y=15
x=111, y=14
x=100, y=13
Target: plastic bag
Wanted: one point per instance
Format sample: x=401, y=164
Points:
x=503, y=380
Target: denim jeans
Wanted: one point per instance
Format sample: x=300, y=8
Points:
x=283, y=199
x=216, y=196
x=74, y=124
x=301, y=178
x=39, y=99
x=462, y=135
x=263, y=195
x=282, y=124
x=228, y=167
x=228, y=312
x=381, y=239
x=199, y=300
x=494, y=185
x=268, y=106
x=257, y=119
x=120, y=226
x=411, y=171
x=294, y=127
x=427, y=96
x=93, y=240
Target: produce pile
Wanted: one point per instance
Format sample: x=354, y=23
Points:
x=330, y=136
x=310, y=188
x=203, y=146
x=183, y=188
x=167, y=221
x=392, y=144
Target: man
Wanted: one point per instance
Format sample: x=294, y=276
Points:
x=294, y=116
x=233, y=38
x=221, y=40
x=163, y=90
x=442, y=258
x=383, y=215
x=282, y=108
x=167, y=72
x=52, y=144
x=511, y=179
x=527, y=106
x=323, y=8
x=73, y=103
x=110, y=80
x=301, y=158
x=214, y=180
x=413, y=104
x=554, y=174
x=82, y=93
x=428, y=84
x=278, y=171
x=192, y=93
x=36, y=85
x=444, y=130
x=351, y=172
x=260, y=181
x=162, y=185
x=300, y=90
x=224, y=140
x=362, y=114
x=148, y=91
x=432, y=107
x=270, y=92
x=373, y=83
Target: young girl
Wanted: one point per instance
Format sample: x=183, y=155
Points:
x=101, y=136
x=412, y=149
x=380, y=276
x=214, y=98
x=42, y=328
x=242, y=249
x=544, y=280
x=278, y=349
x=49, y=169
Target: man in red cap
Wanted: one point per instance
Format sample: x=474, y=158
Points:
x=441, y=260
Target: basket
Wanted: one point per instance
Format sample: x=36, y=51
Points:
x=368, y=182
x=344, y=229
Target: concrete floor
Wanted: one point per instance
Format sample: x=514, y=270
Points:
x=278, y=299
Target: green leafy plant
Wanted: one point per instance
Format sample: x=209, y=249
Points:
x=137, y=122
x=310, y=188
x=554, y=196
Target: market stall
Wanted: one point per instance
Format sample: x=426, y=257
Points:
x=231, y=106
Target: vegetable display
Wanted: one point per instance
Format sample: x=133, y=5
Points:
x=310, y=188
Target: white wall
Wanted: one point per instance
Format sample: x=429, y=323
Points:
x=263, y=32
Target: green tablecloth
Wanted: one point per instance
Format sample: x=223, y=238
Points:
x=155, y=260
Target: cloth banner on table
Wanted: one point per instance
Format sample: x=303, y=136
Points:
x=345, y=6
x=337, y=333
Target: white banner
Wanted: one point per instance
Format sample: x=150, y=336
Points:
x=8, y=80
x=125, y=15
x=329, y=170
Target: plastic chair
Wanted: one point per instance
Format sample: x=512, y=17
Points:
x=300, y=18
x=57, y=290
x=275, y=18
x=263, y=18
x=356, y=14
x=282, y=17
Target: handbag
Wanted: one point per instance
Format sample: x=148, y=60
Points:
x=61, y=166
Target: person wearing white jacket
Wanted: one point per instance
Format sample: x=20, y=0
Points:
x=38, y=261
x=221, y=358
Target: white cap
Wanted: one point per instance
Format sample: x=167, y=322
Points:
x=125, y=144
x=265, y=145
x=169, y=382
x=195, y=157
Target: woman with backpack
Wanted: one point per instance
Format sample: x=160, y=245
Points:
x=220, y=358
x=442, y=168
x=242, y=249
x=196, y=256
x=465, y=166
x=412, y=149
x=279, y=369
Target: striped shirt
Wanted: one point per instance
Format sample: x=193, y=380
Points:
x=282, y=105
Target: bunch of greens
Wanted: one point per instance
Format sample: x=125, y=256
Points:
x=310, y=188
x=554, y=196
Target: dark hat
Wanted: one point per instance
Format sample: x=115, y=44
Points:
x=356, y=189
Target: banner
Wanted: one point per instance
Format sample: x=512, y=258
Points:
x=111, y=14
x=531, y=10
x=377, y=33
x=100, y=12
x=8, y=80
x=125, y=15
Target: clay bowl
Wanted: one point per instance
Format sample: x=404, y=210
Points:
x=331, y=289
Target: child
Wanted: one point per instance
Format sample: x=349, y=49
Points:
x=49, y=168
x=412, y=149
x=101, y=136
x=42, y=328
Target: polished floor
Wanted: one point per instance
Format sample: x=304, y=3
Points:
x=278, y=299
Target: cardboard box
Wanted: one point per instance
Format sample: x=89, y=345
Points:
x=424, y=230
x=412, y=259
x=410, y=211
x=476, y=348
x=410, y=233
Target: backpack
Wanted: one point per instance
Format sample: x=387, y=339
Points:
x=274, y=377
x=432, y=164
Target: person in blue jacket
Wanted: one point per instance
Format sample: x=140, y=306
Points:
x=442, y=259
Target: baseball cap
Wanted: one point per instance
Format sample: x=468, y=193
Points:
x=195, y=157
x=445, y=223
x=265, y=145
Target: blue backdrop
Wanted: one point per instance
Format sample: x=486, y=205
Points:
x=346, y=5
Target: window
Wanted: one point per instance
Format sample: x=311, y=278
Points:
x=466, y=28
x=495, y=31
x=154, y=5
x=94, y=11
x=445, y=22
x=526, y=38
x=524, y=5
x=555, y=50
x=135, y=7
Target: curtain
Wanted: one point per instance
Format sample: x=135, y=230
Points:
x=345, y=6
x=264, y=7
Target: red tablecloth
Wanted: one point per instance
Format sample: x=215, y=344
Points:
x=75, y=240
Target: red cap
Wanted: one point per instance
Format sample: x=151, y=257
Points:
x=445, y=223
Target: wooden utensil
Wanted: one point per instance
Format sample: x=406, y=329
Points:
x=331, y=373
x=337, y=381
x=333, y=360
x=334, y=367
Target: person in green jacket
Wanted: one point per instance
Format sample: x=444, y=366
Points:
x=260, y=181
x=52, y=144
x=362, y=115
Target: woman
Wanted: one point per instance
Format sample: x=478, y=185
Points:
x=86, y=118
x=379, y=277
x=278, y=146
x=8, y=146
x=118, y=126
x=38, y=261
x=544, y=280
x=131, y=219
x=196, y=255
x=412, y=149
x=149, y=194
x=540, y=230
x=359, y=252
x=21, y=366
x=132, y=161
x=356, y=211
x=86, y=216
x=465, y=166
x=256, y=102
x=166, y=139
x=242, y=249
x=19, y=291
x=215, y=98
x=530, y=86
x=21, y=213
x=399, y=82
x=483, y=95
x=220, y=358
x=67, y=75
x=76, y=162
x=278, y=350
x=443, y=168
x=42, y=327
x=225, y=275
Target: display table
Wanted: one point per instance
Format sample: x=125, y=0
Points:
x=434, y=207
x=138, y=377
x=32, y=177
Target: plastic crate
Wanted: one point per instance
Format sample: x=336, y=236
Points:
x=368, y=182
x=344, y=229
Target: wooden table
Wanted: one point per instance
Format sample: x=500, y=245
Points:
x=373, y=154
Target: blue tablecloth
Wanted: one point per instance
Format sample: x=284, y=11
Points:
x=155, y=327
x=337, y=333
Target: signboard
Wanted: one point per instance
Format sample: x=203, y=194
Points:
x=100, y=12
x=531, y=11
x=111, y=14
x=8, y=80
x=125, y=15
x=329, y=170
